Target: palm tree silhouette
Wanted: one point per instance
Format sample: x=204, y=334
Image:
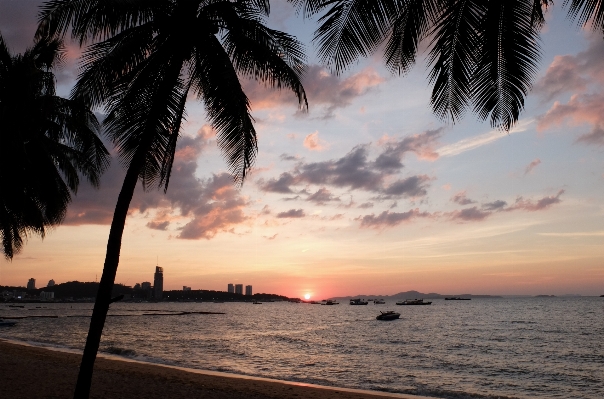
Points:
x=483, y=55
x=45, y=142
x=146, y=57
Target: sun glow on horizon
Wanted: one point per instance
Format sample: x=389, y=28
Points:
x=307, y=296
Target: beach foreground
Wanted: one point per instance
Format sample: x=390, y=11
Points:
x=29, y=372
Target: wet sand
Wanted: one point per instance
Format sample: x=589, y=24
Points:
x=34, y=372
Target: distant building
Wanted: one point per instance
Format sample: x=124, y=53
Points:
x=239, y=289
x=137, y=286
x=248, y=290
x=185, y=288
x=146, y=285
x=31, y=284
x=51, y=283
x=47, y=295
x=231, y=288
x=158, y=283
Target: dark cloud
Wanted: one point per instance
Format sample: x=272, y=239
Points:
x=461, y=199
x=19, y=21
x=494, y=206
x=414, y=186
x=213, y=205
x=594, y=137
x=292, y=213
x=287, y=157
x=280, y=185
x=321, y=196
x=539, y=205
x=366, y=205
x=158, y=225
x=470, y=214
x=390, y=219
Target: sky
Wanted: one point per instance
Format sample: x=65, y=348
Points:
x=366, y=193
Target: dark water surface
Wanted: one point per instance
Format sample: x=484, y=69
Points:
x=512, y=347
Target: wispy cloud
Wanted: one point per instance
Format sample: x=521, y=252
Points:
x=472, y=143
x=575, y=234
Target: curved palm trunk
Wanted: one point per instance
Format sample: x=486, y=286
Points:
x=103, y=297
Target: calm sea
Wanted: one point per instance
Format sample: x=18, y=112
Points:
x=512, y=347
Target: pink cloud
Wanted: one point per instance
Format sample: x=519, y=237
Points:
x=532, y=166
x=322, y=88
x=581, y=108
x=470, y=214
x=539, y=205
x=314, y=143
x=461, y=198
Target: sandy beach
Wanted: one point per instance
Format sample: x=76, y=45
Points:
x=34, y=372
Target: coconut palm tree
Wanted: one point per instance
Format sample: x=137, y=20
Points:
x=483, y=54
x=147, y=56
x=45, y=142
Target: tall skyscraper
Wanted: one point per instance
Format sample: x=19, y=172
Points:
x=248, y=290
x=31, y=284
x=231, y=288
x=158, y=283
x=239, y=289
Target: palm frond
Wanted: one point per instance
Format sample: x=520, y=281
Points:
x=507, y=60
x=586, y=12
x=453, y=57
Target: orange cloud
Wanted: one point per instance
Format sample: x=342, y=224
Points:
x=314, y=143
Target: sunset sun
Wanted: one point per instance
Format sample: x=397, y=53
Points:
x=307, y=296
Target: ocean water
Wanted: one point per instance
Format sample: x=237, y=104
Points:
x=492, y=348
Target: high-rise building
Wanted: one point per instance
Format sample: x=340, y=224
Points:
x=31, y=284
x=185, y=288
x=231, y=288
x=51, y=283
x=146, y=285
x=239, y=289
x=158, y=283
x=248, y=290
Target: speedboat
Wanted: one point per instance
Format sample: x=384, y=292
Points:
x=388, y=315
x=413, y=302
x=379, y=302
x=7, y=323
x=358, y=302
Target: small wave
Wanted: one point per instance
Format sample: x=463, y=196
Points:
x=114, y=350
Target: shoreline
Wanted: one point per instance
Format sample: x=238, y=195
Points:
x=28, y=370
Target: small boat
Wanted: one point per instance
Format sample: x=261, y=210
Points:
x=358, y=302
x=379, y=302
x=329, y=302
x=257, y=303
x=457, y=298
x=413, y=302
x=7, y=323
x=388, y=315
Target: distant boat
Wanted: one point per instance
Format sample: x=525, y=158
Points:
x=388, y=315
x=4, y=323
x=413, y=302
x=257, y=303
x=314, y=303
x=358, y=302
x=379, y=302
x=457, y=298
x=329, y=302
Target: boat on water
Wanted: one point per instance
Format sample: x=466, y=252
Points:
x=457, y=298
x=329, y=302
x=358, y=302
x=257, y=303
x=388, y=315
x=413, y=302
x=379, y=302
x=7, y=323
